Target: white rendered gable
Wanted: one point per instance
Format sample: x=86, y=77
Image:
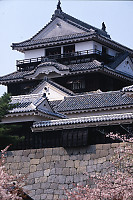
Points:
x=56, y=28
x=44, y=106
x=51, y=92
x=126, y=66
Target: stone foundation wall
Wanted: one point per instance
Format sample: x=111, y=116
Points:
x=51, y=170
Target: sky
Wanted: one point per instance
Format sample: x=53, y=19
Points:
x=21, y=19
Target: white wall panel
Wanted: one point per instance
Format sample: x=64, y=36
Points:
x=34, y=53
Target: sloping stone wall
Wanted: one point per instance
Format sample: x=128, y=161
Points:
x=51, y=170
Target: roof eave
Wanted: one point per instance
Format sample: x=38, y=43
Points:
x=105, y=108
x=6, y=82
x=82, y=124
x=113, y=44
x=52, y=43
x=29, y=114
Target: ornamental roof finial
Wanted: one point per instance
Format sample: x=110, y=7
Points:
x=58, y=5
x=103, y=26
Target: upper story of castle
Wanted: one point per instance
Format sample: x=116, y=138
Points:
x=67, y=40
x=74, y=54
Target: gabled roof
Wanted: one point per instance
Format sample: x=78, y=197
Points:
x=56, y=85
x=118, y=59
x=58, y=66
x=26, y=103
x=94, y=101
x=31, y=103
x=72, y=29
x=78, y=23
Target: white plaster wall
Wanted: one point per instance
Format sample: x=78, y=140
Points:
x=34, y=53
x=52, y=93
x=56, y=28
x=84, y=46
x=109, y=51
x=81, y=46
x=97, y=46
x=55, y=94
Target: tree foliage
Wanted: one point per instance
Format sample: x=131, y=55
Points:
x=5, y=105
x=8, y=133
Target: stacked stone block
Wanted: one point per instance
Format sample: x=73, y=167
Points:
x=52, y=170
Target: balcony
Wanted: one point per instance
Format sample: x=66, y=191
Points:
x=66, y=58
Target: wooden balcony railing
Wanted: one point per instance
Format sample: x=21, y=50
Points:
x=59, y=58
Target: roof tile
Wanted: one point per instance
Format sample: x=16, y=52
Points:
x=94, y=101
x=90, y=119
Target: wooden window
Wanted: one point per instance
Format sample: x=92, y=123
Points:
x=76, y=84
x=104, y=50
x=69, y=49
x=53, y=51
x=79, y=84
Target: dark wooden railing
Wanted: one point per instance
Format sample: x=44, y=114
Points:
x=31, y=60
x=58, y=57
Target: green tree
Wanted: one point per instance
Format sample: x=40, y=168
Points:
x=7, y=131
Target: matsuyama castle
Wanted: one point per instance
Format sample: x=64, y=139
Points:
x=73, y=87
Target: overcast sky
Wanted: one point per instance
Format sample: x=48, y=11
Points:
x=21, y=19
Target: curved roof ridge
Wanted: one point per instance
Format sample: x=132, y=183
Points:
x=95, y=92
x=55, y=64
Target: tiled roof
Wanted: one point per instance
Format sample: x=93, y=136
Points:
x=58, y=66
x=28, y=103
x=18, y=75
x=95, y=66
x=69, y=19
x=94, y=101
x=14, y=75
x=72, y=68
x=83, y=120
x=54, y=103
x=85, y=66
x=46, y=41
x=78, y=23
